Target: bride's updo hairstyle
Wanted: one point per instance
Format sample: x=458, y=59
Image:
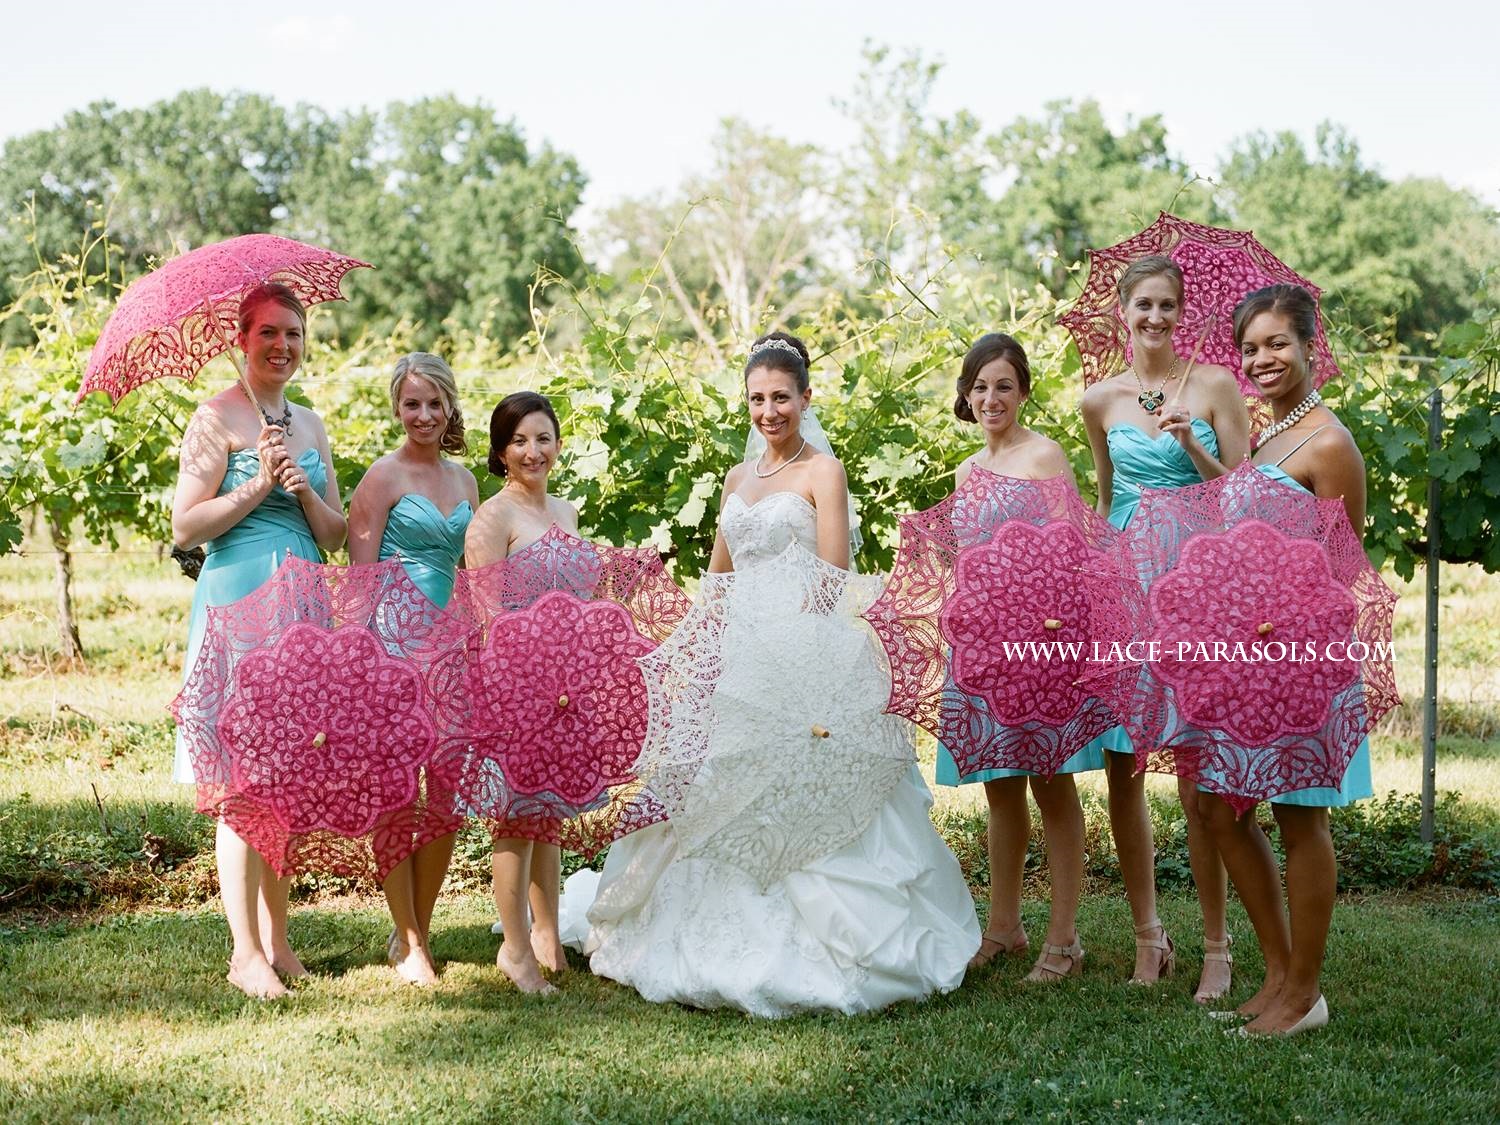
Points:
x=781, y=351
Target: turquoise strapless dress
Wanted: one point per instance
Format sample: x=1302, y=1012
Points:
x=1357, y=783
x=428, y=543
x=238, y=561
x=1141, y=461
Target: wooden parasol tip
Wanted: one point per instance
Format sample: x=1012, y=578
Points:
x=819, y=731
x=562, y=700
x=1264, y=627
x=1052, y=624
x=320, y=738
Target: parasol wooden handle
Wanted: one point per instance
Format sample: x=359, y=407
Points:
x=234, y=356
x=820, y=731
x=1208, y=326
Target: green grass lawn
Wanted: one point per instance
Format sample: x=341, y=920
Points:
x=115, y=1008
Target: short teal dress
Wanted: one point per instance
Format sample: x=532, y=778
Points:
x=1357, y=783
x=238, y=561
x=1141, y=461
x=428, y=543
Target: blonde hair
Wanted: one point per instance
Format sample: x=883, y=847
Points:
x=425, y=365
x=1152, y=265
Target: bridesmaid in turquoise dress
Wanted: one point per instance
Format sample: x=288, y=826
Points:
x=1306, y=447
x=993, y=383
x=254, y=484
x=416, y=504
x=1158, y=425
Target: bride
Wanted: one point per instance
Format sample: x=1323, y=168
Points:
x=798, y=868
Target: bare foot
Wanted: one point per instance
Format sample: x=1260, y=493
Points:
x=256, y=978
x=523, y=971
x=287, y=963
x=414, y=966
x=548, y=951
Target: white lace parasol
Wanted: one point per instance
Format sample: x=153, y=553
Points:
x=767, y=740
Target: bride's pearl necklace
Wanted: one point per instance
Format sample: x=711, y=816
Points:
x=1299, y=412
x=761, y=460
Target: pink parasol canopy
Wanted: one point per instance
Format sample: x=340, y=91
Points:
x=557, y=701
x=175, y=319
x=997, y=600
x=1219, y=267
x=313, y=707
x=1263, y=653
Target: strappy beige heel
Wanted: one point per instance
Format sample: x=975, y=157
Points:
x=1216, y=951
x=1168, y=960
x=997, y=945
x=1042, y=971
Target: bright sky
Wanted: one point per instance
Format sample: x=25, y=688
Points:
x=634, y=88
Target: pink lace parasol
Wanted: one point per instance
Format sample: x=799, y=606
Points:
x=1219, y=267
x=557, y=701
x=314, y=705
x=1264, y=642
x=1017, y=579
x=175, y=319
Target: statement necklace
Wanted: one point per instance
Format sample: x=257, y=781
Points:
x=1299, y=412
x=285, y=419
x=1151, y=401
x=762, y=458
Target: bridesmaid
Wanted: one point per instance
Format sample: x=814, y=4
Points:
x=524, y=444
x=994, y=382
x=1130, y=417
x=1306, y=448
x=417, y=504
x=255, y=483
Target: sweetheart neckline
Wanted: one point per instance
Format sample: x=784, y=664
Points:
x=446, y=519
x=1153, y=439
x=250, y=451
x=748, y=506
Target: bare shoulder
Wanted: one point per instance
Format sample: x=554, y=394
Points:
x=827, y=470
x=1335, y=443
x=1216, y=379
x=1098, y=396
x=563, y=513
x=1047, y=456
x=735, y=477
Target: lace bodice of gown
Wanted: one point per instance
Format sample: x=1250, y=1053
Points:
x=757, y=533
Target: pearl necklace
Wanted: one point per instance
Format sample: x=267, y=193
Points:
x=761, y=460
x=1299, y=412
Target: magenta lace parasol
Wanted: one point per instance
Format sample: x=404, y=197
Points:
x=997, y=599
x=175, y=319
x=557, y=701
x=314, y=706
x=1219, y=267
x=1266, y=638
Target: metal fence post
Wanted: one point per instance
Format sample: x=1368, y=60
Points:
x=1429, y=701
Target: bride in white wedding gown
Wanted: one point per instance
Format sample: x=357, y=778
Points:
x=799, y=868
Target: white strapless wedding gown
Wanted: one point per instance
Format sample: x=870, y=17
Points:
x=799, y=871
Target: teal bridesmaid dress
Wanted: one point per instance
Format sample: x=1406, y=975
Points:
x=1357, y=783
x=428, y=543
x=1142, y=461
x=239, y=560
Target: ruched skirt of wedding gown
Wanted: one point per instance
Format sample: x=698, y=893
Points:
x=887, y=917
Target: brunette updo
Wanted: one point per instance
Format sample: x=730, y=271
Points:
x=988, y=348
x=507, y=417
x=788, y=355
x=1291, y=301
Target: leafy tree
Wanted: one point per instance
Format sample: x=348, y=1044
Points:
x=1402, y=259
